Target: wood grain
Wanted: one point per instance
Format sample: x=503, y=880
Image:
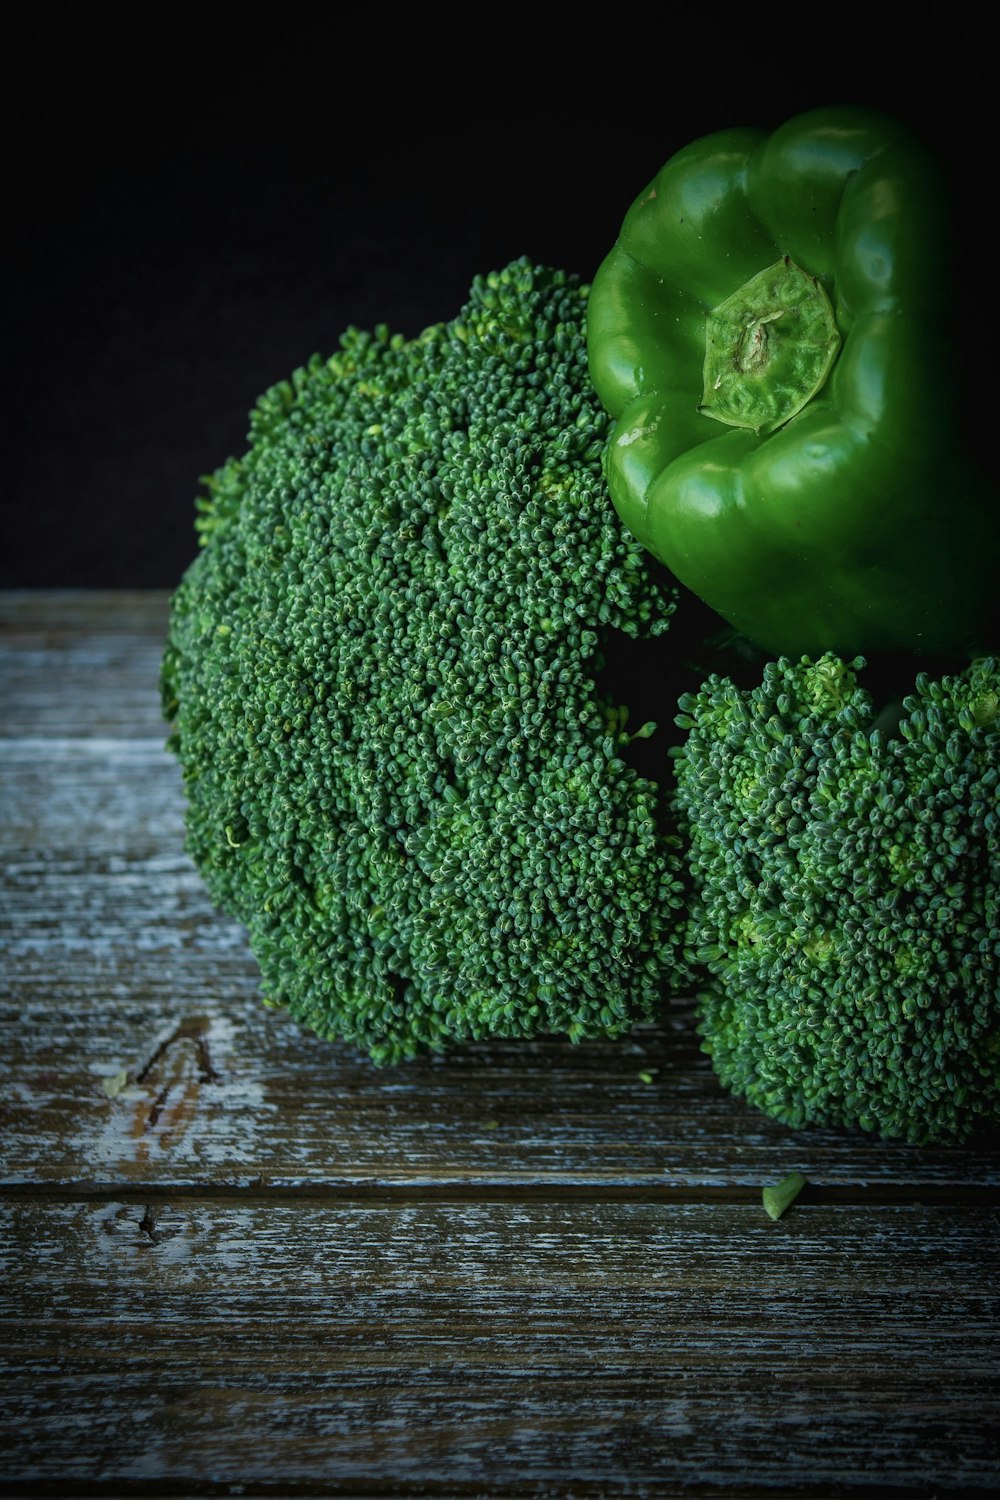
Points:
x=505, y=1345
x=236, y=1258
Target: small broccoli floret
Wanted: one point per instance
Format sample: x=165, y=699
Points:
x=847, y=895
x=778, y=1198
x=382, y=673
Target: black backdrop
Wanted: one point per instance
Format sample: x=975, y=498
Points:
x=188, y=221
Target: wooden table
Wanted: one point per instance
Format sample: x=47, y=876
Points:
x=238, y=1260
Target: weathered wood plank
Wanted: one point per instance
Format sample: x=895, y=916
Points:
x=80, y=664
x=232, y=1255
x=61, y=616
x=120, y=970
x=520, y=1348
x=114, y=963
x=88, y=799
x=225, y=1092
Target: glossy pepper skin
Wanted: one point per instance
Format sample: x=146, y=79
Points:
x=779, y=333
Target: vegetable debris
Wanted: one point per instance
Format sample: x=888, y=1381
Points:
x=778, y=1198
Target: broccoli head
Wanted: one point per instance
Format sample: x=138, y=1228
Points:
x=847, y=895
x=404, y=773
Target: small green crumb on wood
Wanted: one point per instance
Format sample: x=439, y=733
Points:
x=114, y=1085
x=782, y=1195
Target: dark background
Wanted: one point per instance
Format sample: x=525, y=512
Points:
x=188, y=222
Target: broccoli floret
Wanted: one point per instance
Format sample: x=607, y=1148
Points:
x=778, y=1197
x=847, y=886
x=382, y=674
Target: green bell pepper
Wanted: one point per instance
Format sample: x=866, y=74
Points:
x=776, y=335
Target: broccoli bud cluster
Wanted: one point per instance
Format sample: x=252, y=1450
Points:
x=382, y=679
x=398, y=675
x=847, y=895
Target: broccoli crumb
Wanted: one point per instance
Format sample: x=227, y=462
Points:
x=780, y=1197
x=114, y=1084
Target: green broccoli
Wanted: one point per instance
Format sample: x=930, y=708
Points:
x=383, y=674
x=777, y=1198
x=847, y=895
